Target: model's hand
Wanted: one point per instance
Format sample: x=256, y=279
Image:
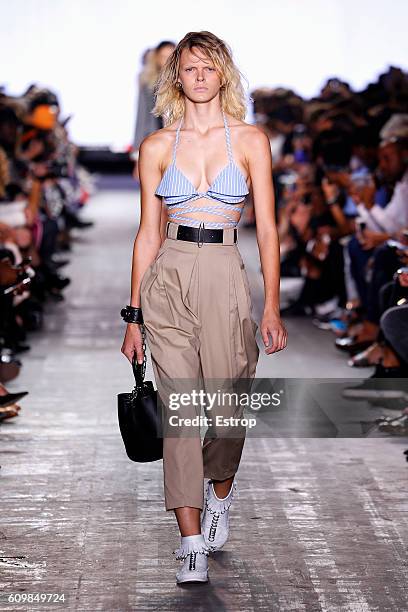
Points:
x=133, y=343
x=273, y=328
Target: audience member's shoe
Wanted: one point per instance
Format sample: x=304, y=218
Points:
x=350, y=345
x=331, y=321
x=11, y=398
x=65, y=245
x=194, y=554
x=9, y=413
x=61, y=263
x=9, y=365
x=366, y=358
x=398, y=426
x=322, y=321
x=73, y=220
x=78, y=223
x=328, y=308
x=55, y=295
x=297, y=309
x=394, y=372
x=55, y=286
x=59, y=282
x=215, y=519
x=18, y=347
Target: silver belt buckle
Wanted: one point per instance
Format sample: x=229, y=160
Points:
x=199, y=234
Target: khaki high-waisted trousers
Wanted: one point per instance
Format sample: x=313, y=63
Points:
x=197, y=314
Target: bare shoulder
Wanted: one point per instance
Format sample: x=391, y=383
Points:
x=250, y=136
x=158, y=142
x=255, y=137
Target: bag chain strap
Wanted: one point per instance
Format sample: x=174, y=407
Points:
x=143, y=365
x=143, y=330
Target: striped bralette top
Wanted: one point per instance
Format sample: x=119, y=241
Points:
x=226, y=192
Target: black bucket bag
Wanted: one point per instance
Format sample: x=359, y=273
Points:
x=139, y=416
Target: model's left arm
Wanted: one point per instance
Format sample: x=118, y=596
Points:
x=260, y=168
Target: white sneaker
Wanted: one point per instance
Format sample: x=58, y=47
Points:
x=194, y=554
x=215, y=519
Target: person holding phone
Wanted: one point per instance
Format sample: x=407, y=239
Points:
x=382, y=223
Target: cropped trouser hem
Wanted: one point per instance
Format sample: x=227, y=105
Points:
x=194, y=502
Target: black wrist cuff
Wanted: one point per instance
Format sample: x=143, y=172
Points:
x=130, y=314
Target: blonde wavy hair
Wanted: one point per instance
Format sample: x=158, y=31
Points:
x=170, y=101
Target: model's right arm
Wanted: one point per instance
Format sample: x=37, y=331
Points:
x=148, y=240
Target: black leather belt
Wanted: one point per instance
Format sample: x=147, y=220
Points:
x=201, y=234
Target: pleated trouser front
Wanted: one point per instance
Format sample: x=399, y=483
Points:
x=197, y=314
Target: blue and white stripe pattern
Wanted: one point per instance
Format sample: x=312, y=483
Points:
x=228, y=190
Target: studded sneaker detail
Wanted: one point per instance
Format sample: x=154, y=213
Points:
x=194, y=554
x=215, y=519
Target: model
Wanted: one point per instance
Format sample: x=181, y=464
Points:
x=146, y=123
x=190, y=290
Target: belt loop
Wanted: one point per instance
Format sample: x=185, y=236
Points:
x=167, y=228
x=199, y=234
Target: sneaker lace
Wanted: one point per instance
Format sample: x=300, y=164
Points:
x=213, y=527
x=192, y=562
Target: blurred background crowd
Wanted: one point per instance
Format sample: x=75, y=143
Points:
x=341, y=184
x=341, y=181
x=42, y=192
